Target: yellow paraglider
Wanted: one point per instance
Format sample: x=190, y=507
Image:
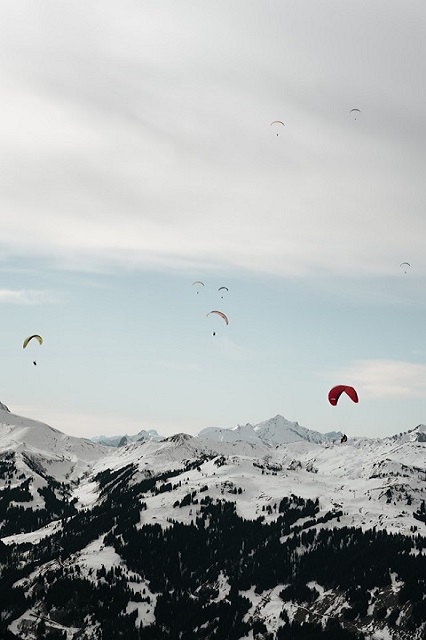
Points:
x=37, y=337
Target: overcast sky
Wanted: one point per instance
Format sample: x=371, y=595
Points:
x=138, y=156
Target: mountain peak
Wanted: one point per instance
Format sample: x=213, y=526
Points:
x=279, y=430
x=276, y=430
x=179, y=438
x=418, y=434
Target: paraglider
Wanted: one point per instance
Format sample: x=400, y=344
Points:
x=198, y=282
x=222, y=315
x=219, y=313
x=277, y=122
x=335, y=393
x=355, y=111
x=35, y=336
x=223, y=289
x=405, y=265
x=29, y=338
x=333, y=398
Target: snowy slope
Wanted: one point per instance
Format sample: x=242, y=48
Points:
x=370, y=480
x=362, y=483
x=375, y=482
x=58, y=455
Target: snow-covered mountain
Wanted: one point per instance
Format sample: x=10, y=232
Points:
x=122, y=440
x=275, y=456
x=275, y=431
x=94, y=515
x=418, y=434
x=60, y=455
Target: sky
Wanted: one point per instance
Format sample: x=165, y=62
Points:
x=138, y=157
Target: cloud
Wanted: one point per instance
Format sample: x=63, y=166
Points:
x=26, y=297
x=145, y=141
x=386, y=378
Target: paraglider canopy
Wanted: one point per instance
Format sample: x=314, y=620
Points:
x=344, y=438
x=219, y=313
x=405, y=265
x=277, y=122
x=223, y=289
x=35, y=336
x=32, y=337
x=355, y=111
x=198, y=282
x=335, y=393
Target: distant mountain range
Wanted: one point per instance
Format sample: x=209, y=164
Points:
x=275, y=431
x=265, y=531
x=123, y=440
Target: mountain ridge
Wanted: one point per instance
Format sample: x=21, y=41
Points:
x=276, y=430
x=77, y=517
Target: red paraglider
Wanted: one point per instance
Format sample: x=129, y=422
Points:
x=335, y=393
x=219, y=313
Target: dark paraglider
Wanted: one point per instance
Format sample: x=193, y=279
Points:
x=199, y=284
x=277, y=122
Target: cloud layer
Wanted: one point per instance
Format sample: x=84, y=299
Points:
x=140, y=135
x=386, y=378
